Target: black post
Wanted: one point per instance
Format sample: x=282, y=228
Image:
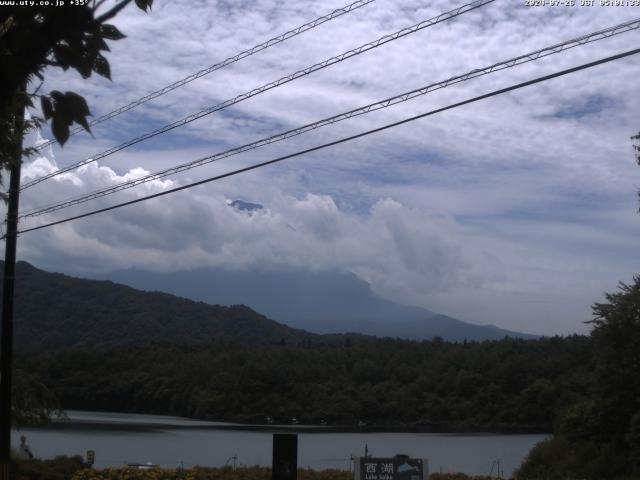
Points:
x=285, y=457
x=6, y=333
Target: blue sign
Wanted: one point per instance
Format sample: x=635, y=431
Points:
x=396, y=468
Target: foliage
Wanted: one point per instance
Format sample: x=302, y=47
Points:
x=32, y=402
x=130, y=473
x=508, y=385
x=74, y=468
x=561, y=459
x=458, y=476
x=149, y=352
x=636, y=148
x=226, y=473
x=598, y=437
x=36, y=37
x=60, y=468
x=56, y=311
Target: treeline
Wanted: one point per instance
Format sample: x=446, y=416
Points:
x=507, y=385
x=598, y=436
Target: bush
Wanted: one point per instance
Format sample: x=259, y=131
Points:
x=561, y=459
x=226, y=473
x=60, y=468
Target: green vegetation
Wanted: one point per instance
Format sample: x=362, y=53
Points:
x=598, y=437
x=40, y=37
x=59, y=468
x=150, y=352
x=56, y=311
x=32, y=403
x=250, y=473
x=508, y=385
x=74, y=468
x=213, y=362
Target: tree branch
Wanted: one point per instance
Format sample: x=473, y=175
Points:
x=96, y=6
x=113, y=12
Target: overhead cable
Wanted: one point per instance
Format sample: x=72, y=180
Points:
x=529, y=57
x=257, y=91
x=217, y=66
x=342, y=140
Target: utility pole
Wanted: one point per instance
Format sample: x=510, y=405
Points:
x=6, y=332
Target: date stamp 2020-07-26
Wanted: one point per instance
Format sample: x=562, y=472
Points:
x=581, y=3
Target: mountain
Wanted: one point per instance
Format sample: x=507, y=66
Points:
x=56, y=311
x=320, y=302
x=244, y=206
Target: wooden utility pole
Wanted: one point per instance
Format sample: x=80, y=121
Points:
x=6, y=331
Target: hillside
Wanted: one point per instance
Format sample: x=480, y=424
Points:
x=56, y=311
x=507, y=385
x=319, y=302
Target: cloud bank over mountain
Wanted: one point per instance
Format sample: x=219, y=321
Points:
x=407, y=255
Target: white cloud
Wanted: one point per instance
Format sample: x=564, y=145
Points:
x=502, y=211
x=407, y=254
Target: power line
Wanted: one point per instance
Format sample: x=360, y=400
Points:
x=342, y=140
x=592, y=37
x=217, y=66
x=256, y=91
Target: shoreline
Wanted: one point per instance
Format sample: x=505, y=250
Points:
x=73, y=424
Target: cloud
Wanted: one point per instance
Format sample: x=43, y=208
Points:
x=411, y=255
x=518, y=210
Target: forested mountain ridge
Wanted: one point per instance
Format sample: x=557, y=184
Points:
x=53, y=311
x=317, y=301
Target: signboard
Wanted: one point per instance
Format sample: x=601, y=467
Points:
x=285, y=456
x=396, y=468
x=91, y=457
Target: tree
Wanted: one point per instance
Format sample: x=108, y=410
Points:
x=599, y=436
x=33, y=402
x=636, y=148
x=34, y=38
x=617, y=339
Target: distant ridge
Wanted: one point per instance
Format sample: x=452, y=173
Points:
x=319, y=302
x=54, y=311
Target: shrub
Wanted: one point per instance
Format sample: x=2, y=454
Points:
x=60, y=468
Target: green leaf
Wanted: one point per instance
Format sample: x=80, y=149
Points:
x=101, y=66
x=83, y=121
x=74, y=39
x=61, y=109
x=60, y=130
x=77, y=103
x=47, y=107
x=97, y=42
x=79, y=109
x=84, y=66
x=57, y=95
x=144, y=4
x=110, y=32
x=65, y=56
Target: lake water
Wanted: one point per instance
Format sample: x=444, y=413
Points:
x=119, y=439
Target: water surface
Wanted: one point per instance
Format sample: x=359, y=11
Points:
x=172, y=441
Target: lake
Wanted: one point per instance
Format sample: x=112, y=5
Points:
x=119, y=439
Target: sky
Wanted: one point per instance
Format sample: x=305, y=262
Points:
x=520, y=210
